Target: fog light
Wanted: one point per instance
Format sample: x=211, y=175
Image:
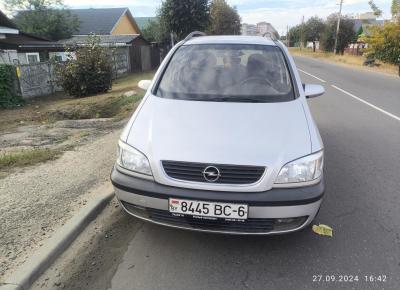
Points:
x=285, y=224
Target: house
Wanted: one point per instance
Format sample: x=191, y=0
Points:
x=17, y=47
x=106, y=21
x=363, y=21
x=266, y=28
x=261, y=29
x=362, y=27
x=116, y=28
x=248, y=29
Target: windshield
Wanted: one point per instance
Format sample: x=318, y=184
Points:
x=227, y=72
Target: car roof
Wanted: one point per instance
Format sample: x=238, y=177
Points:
x=230, y=39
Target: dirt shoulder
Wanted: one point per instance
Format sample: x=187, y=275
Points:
x=346, y=60
x=49, y=109
x=39, y=199
x=45, y=127
x=54, y=153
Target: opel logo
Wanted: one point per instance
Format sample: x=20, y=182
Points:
x=211, y=174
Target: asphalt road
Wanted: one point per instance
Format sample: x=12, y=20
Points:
x=358, y=118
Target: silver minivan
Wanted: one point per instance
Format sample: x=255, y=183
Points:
x=223, y=141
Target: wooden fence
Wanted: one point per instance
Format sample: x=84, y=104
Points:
x=144, y=58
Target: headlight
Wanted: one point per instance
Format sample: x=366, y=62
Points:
x=131, y=159
x=302, y=170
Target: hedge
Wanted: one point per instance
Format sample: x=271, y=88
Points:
x=8, y=98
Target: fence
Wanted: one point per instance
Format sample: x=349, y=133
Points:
x=144, y=58
x=38, y=79
x=120, y=60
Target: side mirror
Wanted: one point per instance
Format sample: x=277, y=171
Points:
x=312, y=91
x=144, y=84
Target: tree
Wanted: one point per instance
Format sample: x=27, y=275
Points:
x=224, y=19
x=45, y=18
x=375, y=9
x=313, y=29
x=10, y=5
x=155, y=32
x=183, y=17
x=360, y=32
x=345, y=37
x=395, y=8
x=385, y=43
x=295, y=35
x=87, y=71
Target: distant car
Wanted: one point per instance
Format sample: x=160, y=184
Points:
x=223, y=141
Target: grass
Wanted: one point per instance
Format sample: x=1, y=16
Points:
x=114, y=104
x=43, y=110
x=346, y=59
x=108, y=106
x=24, y=158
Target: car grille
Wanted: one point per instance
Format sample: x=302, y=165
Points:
x=229, y=174
x=247, y=226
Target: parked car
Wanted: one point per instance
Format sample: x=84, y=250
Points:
x=223, y=141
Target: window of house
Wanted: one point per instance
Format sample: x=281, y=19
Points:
x=33, y=57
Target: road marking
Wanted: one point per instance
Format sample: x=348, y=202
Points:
x=321, y=80
x=367, y=103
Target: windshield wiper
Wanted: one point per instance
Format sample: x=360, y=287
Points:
x=236, y=99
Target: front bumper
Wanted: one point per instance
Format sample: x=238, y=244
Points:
x=148, y=200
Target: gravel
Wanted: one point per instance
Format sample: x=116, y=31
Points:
x=56, y=135
x=35, y=201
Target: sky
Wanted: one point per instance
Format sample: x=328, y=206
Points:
x=279, y=13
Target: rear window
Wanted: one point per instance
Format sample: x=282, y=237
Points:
x=227, y=73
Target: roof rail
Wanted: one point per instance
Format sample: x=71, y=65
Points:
x=270, y=35
x=194, y=34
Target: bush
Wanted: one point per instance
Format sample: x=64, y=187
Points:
x=385, y=43
x=87, y=71
x=7, y=97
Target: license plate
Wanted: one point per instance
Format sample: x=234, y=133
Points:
x=208, y=209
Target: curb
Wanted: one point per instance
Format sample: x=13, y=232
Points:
x=40, y=261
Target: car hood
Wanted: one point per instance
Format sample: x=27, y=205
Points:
x=266, y=134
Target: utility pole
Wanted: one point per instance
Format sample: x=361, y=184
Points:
x=338, y=27
x=287, y=35
x=302, y=34
x=172, y=39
